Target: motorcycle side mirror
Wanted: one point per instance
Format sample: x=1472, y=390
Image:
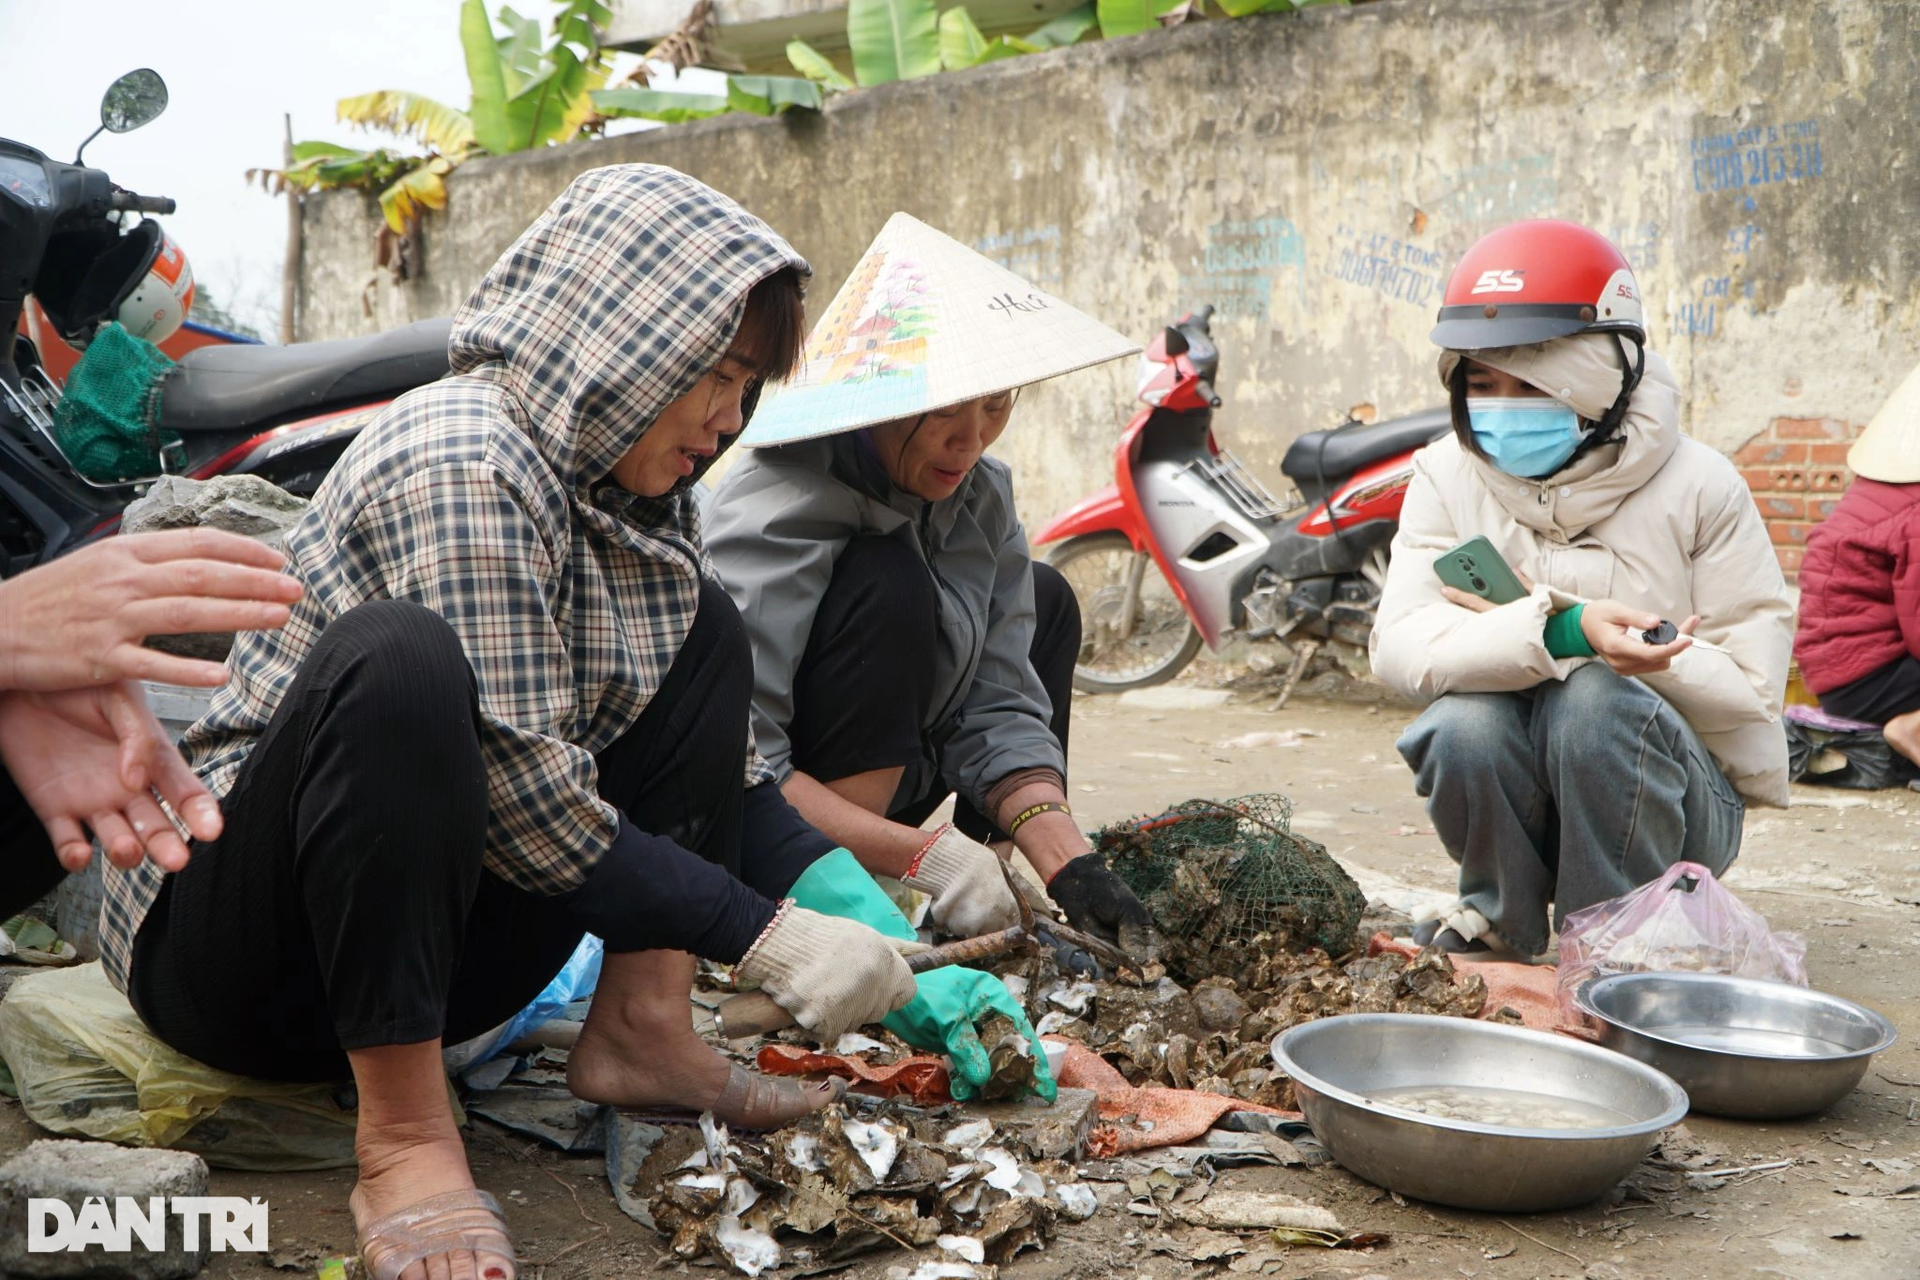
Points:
x=1175, y=341
x=135, y=99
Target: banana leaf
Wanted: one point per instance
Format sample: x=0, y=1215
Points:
x=1009, y=47
x=1130, y=17
x=412, y=116
x=1066, y=29
x=771, y=95
x=324, y=165
x=520, y=49
x=961, y=44
x=655, y=104
x=414, y=192
x=552, y=106
x=345, y=171
x=324, y=151
x=893, y=39
x=813, y=64
x=580, y=107
x=487, y=74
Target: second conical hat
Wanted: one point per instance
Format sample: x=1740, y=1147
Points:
x=1889, y=449
x=923, y=323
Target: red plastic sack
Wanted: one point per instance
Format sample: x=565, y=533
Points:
x=1685, y=920
x=921, y=1077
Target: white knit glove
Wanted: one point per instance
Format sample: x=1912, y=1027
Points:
x=970, y=893
x=832, y=975
x=1463, y=920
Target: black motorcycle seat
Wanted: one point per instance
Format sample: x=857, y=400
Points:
x=1347, y=449
x=222, y=388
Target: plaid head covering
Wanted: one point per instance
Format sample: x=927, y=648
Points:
x=485, y=498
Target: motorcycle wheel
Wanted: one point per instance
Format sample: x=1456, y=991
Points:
x=1163, y=639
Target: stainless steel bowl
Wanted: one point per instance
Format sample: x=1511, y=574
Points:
x=1739, y=1046
x=1340, y=1067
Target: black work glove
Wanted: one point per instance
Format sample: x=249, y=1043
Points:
x=1098, y=902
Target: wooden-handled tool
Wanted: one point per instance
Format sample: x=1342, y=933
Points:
x=1033, y=902
x=754, y=1013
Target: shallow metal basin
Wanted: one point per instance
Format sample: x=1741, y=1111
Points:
x=1739, y=1046
x=1340, y=1065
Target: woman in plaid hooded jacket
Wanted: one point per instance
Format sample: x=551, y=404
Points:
x=511, y=707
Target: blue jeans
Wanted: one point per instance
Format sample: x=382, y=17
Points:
x=1569, y=793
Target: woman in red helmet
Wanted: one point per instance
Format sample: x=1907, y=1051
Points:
x=1567, y=758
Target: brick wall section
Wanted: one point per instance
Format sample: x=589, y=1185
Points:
x=1797, y=470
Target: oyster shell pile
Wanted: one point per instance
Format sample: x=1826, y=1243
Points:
x=836, y=1184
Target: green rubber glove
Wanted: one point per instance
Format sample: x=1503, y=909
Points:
x=943, y=1016
x=946, y=1014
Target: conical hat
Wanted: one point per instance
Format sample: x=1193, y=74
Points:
x=922, y=323
x=1889, y=449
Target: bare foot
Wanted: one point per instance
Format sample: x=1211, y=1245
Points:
x=1903, y=735
x=638, y=1049
x=402, y=1165
x=638, y=1064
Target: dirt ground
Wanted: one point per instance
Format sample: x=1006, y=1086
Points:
x=1843, y=868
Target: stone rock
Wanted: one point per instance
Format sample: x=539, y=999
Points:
x=1056, y=1130
x=1174, y=698
x=1217, y=1008
x=246, y=505
x=61, y=1169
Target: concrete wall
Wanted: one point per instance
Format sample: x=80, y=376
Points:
x=1315, y=175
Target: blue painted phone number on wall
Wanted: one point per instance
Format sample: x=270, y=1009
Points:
x=1757, y=156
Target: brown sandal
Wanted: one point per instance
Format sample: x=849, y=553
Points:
x=439, y=1224
x=751, y=1103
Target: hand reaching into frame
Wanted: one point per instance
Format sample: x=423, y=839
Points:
x=91, y=760
x=82, y=619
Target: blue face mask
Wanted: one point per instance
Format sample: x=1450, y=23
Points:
x=1525, y=436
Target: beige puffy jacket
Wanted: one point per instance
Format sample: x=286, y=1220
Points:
x=1658, y=522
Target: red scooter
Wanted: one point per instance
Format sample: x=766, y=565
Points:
x=1231, y=557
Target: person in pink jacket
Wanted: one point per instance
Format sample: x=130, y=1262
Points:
x=1859, y=639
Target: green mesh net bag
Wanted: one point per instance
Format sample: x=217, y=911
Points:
x=108, y=420
x=1227, y=880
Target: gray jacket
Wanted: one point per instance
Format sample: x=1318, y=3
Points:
x=775, y=528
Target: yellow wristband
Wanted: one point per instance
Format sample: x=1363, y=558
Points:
x=1034, y=811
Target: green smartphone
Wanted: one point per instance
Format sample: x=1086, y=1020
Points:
x=1477, y=569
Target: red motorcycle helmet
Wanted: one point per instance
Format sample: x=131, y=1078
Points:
x=1545, y=279
x=1536, y=281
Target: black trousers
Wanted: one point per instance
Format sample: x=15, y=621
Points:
x=1878, y=696
x=28, y=869
x=864, y=689
x=345, y=905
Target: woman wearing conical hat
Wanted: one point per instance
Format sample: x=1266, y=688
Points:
x=1859, y=639
x=905, y=644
